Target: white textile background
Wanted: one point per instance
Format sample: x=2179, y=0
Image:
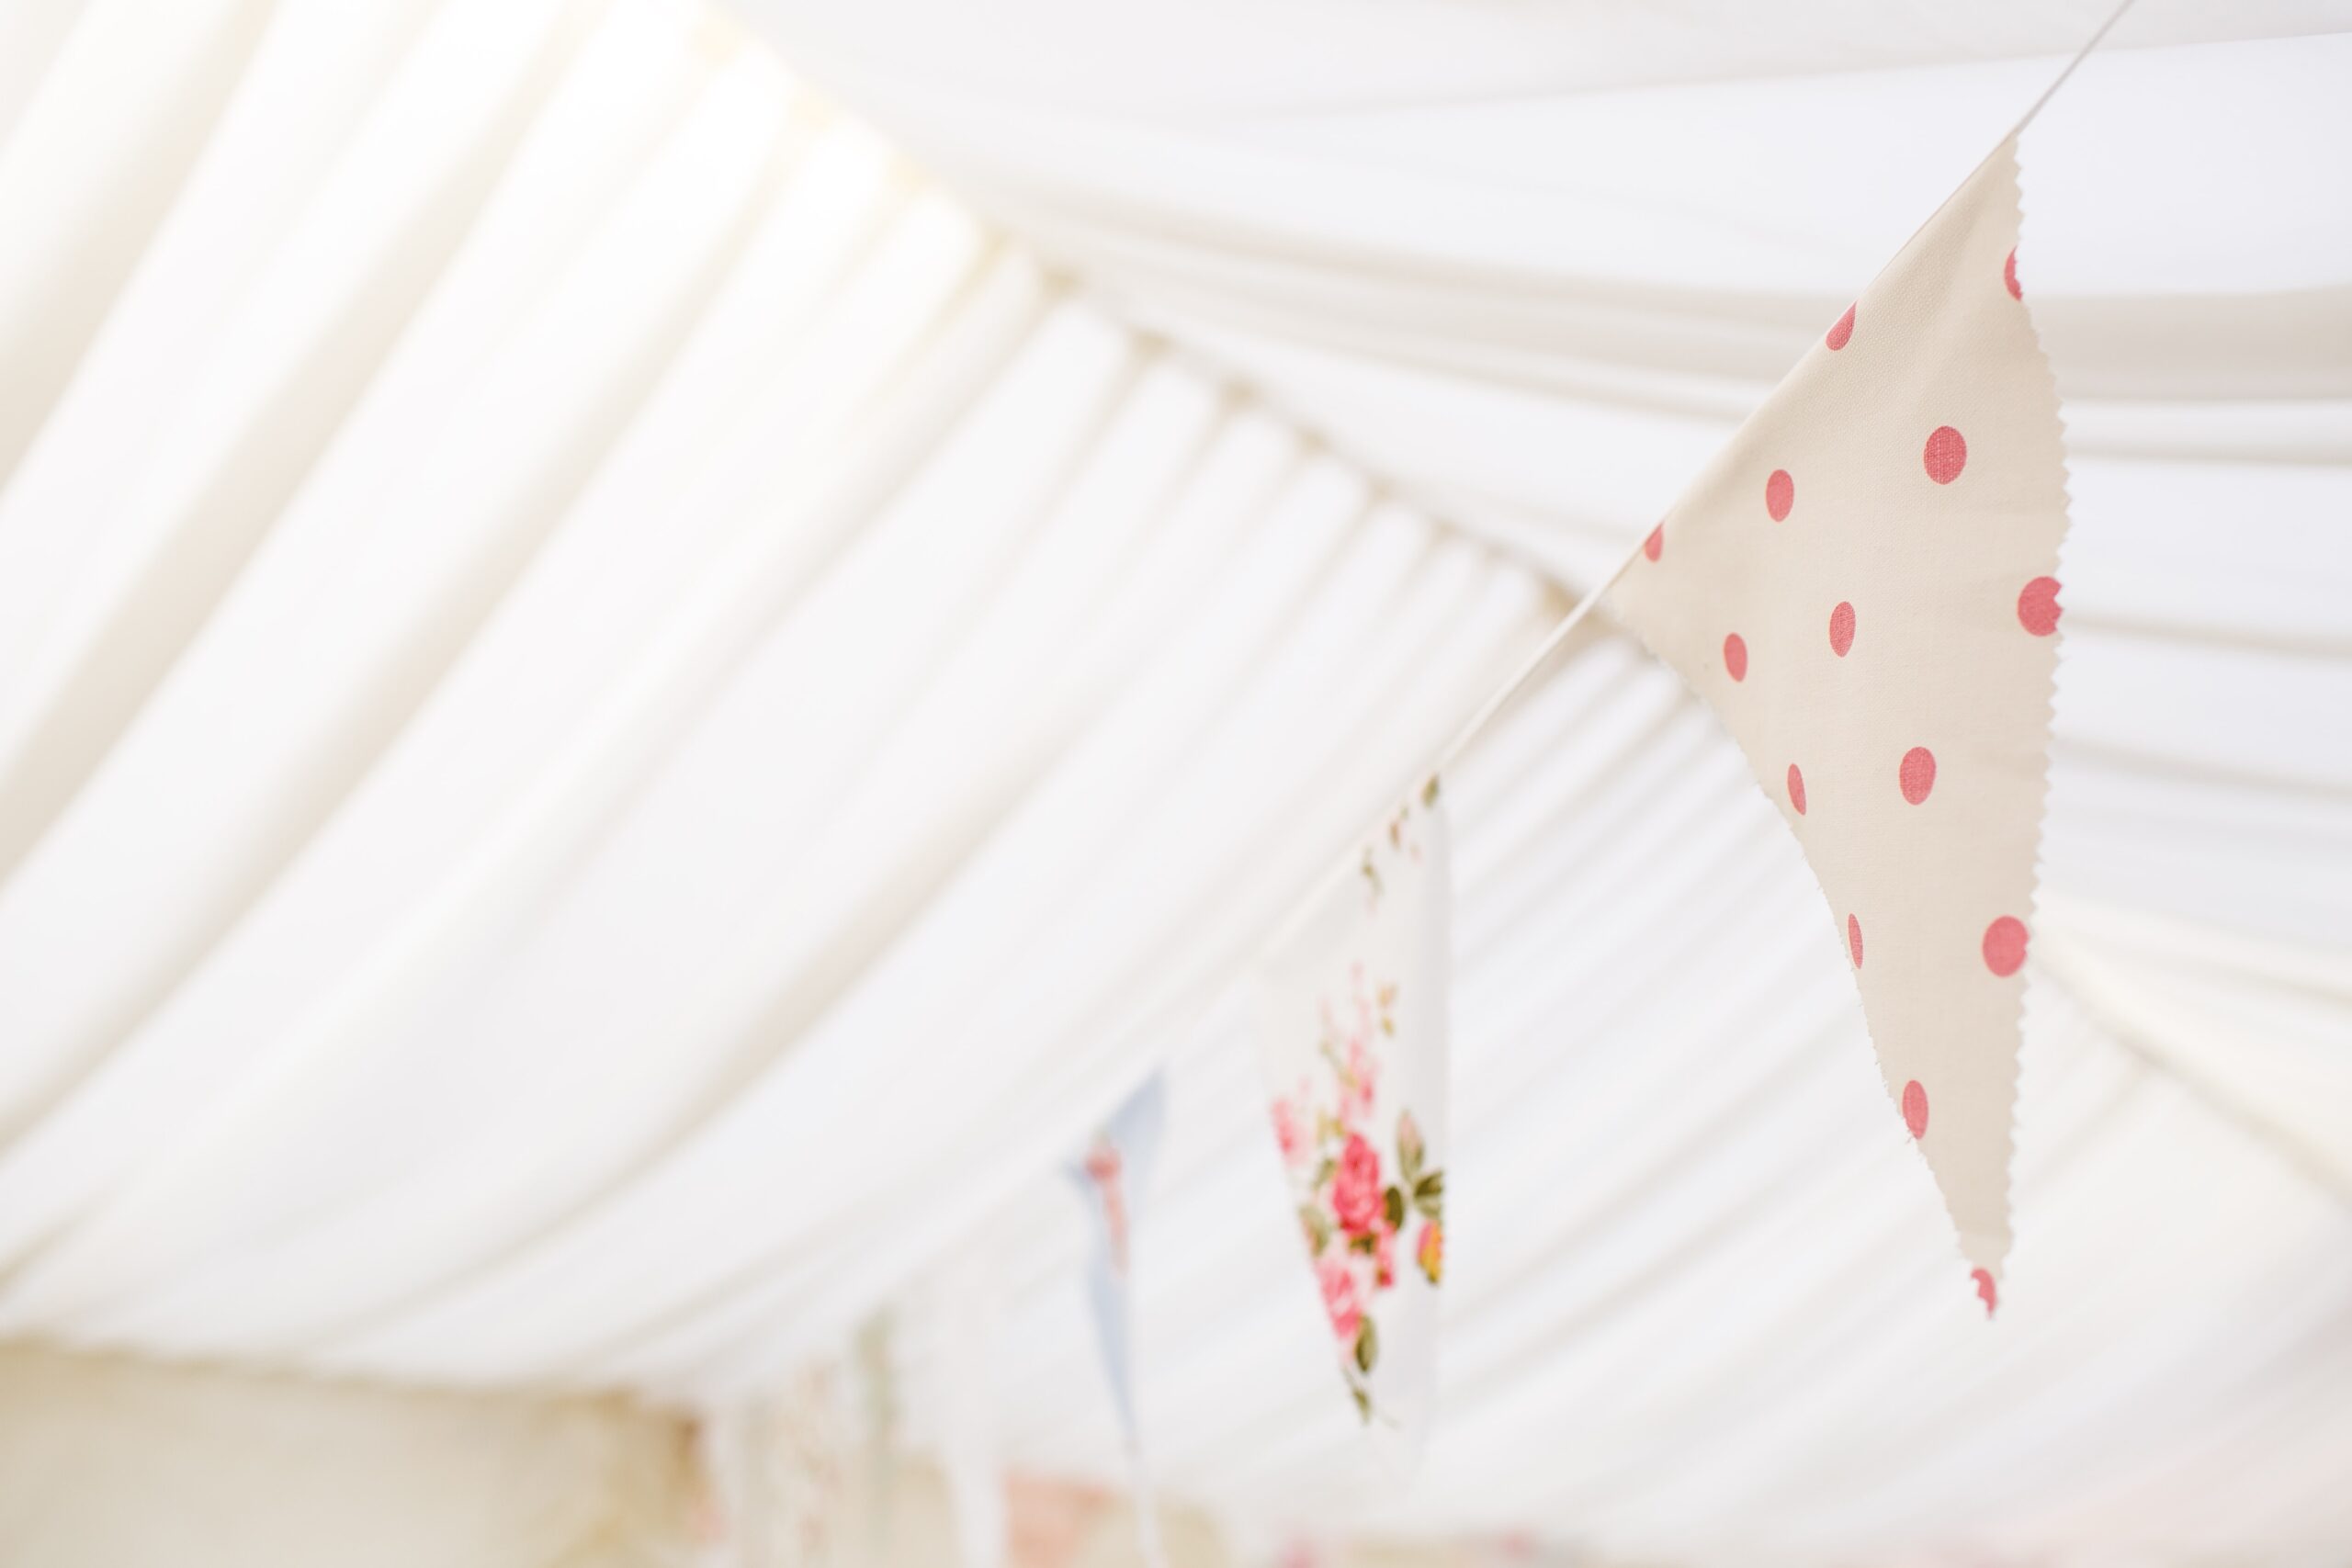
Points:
x=617, y=722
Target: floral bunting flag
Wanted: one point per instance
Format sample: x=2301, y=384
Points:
x=1863, y=586
x=1351, y=1030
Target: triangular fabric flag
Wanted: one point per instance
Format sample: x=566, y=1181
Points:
x=1863, y=585
x=1350, y=1021
x=1113, y=1180
x=1113, y=1176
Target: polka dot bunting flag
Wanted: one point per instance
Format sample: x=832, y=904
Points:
x=1905, y=487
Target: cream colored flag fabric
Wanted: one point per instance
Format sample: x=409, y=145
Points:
x=1862, y=584
x=1352, y=1030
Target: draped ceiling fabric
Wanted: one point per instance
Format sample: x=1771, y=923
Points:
x=619, y=722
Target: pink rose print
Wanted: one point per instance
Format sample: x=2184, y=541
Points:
x=1356, y=1205
x=1342, y=1300
x=1355, y=1187
x=1102, y=1168
x=1294, y=1132
x=1362, y=1079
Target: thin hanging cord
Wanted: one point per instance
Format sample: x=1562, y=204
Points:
x=2080, y=55
x=1341, y=869
x=1494, y=704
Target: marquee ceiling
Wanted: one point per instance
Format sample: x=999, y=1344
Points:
x=621, y=712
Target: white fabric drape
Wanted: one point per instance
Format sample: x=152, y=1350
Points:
x=618, y=722
x=737, y=607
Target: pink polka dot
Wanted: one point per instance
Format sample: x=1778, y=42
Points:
x=2038, y=606
x=1796, y=789
x=1946, y=455
x=1986, y=1292
x=1854, y=939
x=1917, y=774
x=2009, y=277
x=1842, y=628
x=1779, y=494
x=1842, y=331
x=2004, y=945
x=1914, y=1108
x=1654, y=545
x=1735, y=655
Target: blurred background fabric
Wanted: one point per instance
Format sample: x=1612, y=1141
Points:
x=630, y=697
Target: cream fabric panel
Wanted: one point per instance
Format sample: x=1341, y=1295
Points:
x=106, y=1462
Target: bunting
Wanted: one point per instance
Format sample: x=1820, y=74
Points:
x=1863, y=585
x=1351, y=1020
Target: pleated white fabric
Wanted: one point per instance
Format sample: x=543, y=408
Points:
x=619, y=722
x=743, y=634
